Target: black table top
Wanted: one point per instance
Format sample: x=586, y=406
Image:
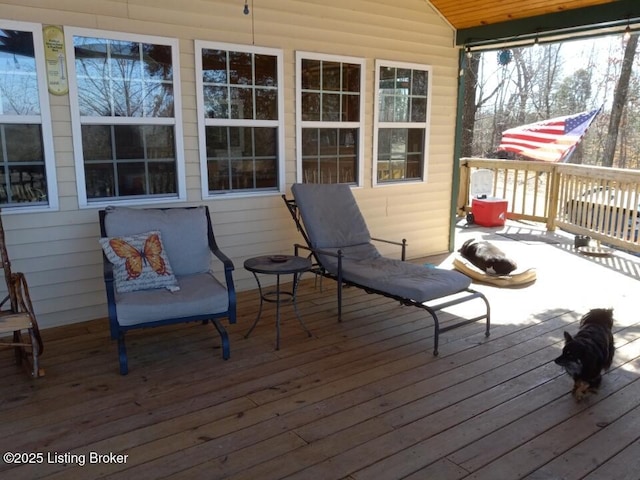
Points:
x=277, y=264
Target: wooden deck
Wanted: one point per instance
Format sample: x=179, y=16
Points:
x=362, y=399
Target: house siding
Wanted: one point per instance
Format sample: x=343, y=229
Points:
x=59, y=252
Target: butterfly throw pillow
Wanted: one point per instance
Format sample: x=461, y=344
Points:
x=140, y=262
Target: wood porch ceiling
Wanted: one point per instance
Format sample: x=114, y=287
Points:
x=474, y=13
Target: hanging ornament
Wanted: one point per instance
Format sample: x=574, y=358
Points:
x=505, y=56
x=246, y=7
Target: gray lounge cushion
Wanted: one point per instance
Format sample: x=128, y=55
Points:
x=330, y=215
x=334, y=222
x=199, y=294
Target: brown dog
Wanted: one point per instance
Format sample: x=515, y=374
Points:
x=589, y=352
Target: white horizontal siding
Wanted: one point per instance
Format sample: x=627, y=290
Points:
x=59, y=251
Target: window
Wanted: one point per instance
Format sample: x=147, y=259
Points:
x=401, y=122
x=27, y=166
x=125, y=102
x=329, y=118
x=240, y=119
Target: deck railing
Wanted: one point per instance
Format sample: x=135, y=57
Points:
x=603, y=203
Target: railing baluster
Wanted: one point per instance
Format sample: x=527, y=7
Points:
x=596, y=201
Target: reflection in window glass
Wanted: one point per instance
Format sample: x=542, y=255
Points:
x=230, y=90
x=141, y=158
x=123, y=79
x=329, y=155
x=330, y=93
x=242, y=158
x=400, y=153
x=130, y=82
x=240, y=92
x=402, y=97
x=23, y=179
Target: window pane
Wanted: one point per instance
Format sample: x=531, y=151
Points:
x=242, y=158
x=266, y=140
x=158, y=64
x=99, y=178
x=24, y=143
x=214, y=66
x=18, y=77
x=123, y=78
x=351, y=80
x=240, y=64
x=159, y=142
x=309, y=141
x=24, y=184
x=131, y=179
x=266, y=67
x=400, y=154
x=419, y=84
x=418, y=109
x=219, y=177
x=241, y=103
x=329, y=155
x=128, y=142
x=216, y=102
x=350, y=108
x=401, y=109
x=310, y=74
x=310, y=106
x=217, y=143
x=152, y=146
x=266, y=104
x=387, y=108
x=266, y=173
x=162, y=178
x=96, y=142
x=330, y=107
x=331, y=76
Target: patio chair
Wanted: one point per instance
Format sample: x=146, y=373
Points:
x=17, y=318
x=338, y=240
x=157, y=271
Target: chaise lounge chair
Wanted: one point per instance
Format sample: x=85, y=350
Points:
x=338, y=240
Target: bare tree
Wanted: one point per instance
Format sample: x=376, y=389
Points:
x=619, y=99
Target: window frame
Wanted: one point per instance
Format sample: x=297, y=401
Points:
x=43, y=119
x=300, y=124
x=377, y=124
x=203, y=122
x=77, y=121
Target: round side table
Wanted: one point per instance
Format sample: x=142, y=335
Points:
x=278, y=265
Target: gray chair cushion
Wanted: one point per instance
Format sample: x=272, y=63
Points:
x=330, y=215
x=199, y=294
x=184, y=233
x=403, y=279
x=333, y=222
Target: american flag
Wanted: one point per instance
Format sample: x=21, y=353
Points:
x=550, y=140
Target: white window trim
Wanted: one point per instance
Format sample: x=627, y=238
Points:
x=377, y=124
x=76, y=125
x=300, y=55
x=44, y=119
x=205, y=122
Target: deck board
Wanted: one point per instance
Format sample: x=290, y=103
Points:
x=361, y=399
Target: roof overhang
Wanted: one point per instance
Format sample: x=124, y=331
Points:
x=614, y=16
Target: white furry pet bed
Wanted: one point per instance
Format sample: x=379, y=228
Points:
x=514, y=279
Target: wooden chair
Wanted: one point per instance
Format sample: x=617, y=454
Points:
x=17, y=317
